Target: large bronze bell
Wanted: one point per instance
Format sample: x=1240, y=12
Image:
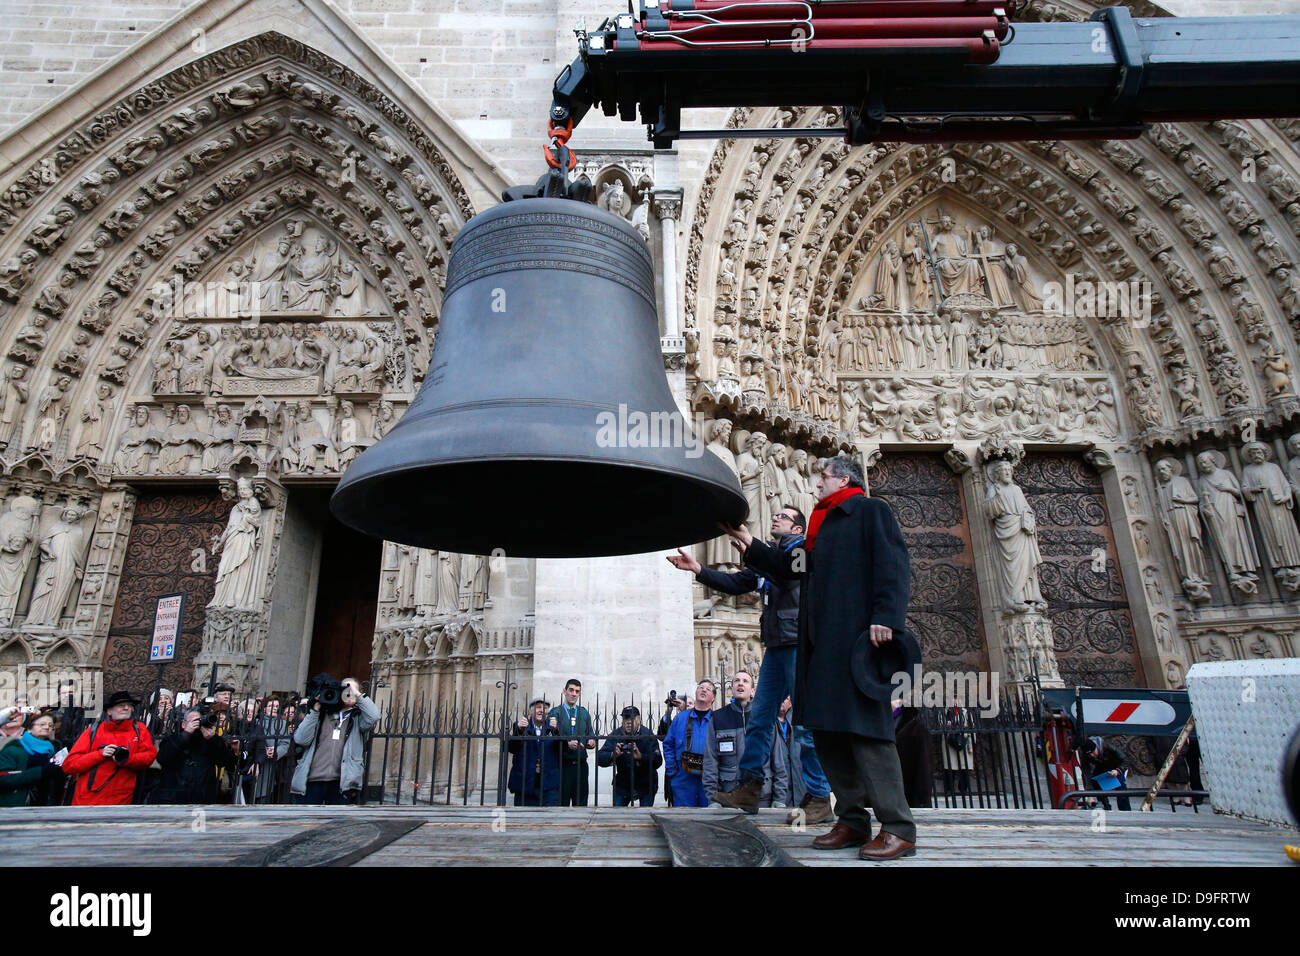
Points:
x=527, y=434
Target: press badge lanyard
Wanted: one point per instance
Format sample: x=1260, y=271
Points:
x=764, y=584
x=338, y=728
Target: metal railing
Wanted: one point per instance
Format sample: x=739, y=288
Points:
x=457, y=753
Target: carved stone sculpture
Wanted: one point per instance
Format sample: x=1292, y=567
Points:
x=1182, y=524
x=13, y=396
x=1267, y=489
x=59, y=571
x=238, y=546
x=95, y=417
x=718, y=551
x=1224, y=511
x=16, y=539
x=1015, y=528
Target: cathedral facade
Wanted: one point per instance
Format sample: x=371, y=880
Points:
x=1069, y=367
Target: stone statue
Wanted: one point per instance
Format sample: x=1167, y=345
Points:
x=805, y=489
x=59, y=571
x=16, y=538
x=753, y=484
x=50, y=412
x=311, y=448
x=309, y=284
x=1293, y=464
x=958, y=272
x=1224, y=511
x=13, y=396
x=239, y=544
x=1016, y=531
x=1178, y=514
x=424, y=597
x=1022, y=283
x=138, y=442
x=1269, y=492
x=351, y=300
x=177, y=444
x=718, y=551
x=889, y=277
x=270, y=275
x=352, y=440
x=219, y=441
x=448, y=583
x=95, y=417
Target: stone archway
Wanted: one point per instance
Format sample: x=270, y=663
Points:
x=232, y=272
x=813, y=312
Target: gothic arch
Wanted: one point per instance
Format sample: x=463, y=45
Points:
x=173, y=184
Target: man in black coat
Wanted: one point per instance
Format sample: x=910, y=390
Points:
x=190, y=759
x=853, y=604
x=634, y=754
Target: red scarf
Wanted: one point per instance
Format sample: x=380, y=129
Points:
x=823, y=509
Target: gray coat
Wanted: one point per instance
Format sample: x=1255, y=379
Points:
x=353, y=769
x=726, y=747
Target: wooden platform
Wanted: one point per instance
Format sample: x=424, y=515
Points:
x=457, y=836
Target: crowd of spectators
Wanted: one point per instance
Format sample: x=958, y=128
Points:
x=181, y=748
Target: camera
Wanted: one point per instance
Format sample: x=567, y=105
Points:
x=121, y=755
x=210, y=718
x=326, y=691
x=671, y=700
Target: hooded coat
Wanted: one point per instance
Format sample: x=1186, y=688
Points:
x=856, y=575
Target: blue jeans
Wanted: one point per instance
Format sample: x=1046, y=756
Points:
x=622, y=799
x=775, y=685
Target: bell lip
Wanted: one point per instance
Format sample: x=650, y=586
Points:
x=346, y=490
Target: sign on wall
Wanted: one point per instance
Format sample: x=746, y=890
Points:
x=167, y=617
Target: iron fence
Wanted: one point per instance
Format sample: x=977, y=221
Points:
x=457, y=753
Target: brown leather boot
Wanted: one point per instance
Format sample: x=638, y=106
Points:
x=841, y=836
x=743, y=797
x=812, y=811
x=886, y=846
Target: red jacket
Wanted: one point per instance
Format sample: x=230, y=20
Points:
x=113, y=783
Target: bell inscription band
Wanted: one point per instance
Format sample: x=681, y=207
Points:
x=547, y=351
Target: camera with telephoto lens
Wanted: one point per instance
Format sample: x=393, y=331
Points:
x=326, y=691
x=671, y=700
x=209, y=716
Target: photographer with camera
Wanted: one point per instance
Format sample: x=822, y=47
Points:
x=109, y=755
x=333, y=767
x=190, y=759
x=635, y=756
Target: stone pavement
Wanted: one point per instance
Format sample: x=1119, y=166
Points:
x=506, y=836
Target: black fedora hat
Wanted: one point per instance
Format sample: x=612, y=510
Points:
x=122, y=697
x=874, y=668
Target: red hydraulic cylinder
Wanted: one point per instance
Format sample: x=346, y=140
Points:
x=828, y=10
x=845, y=29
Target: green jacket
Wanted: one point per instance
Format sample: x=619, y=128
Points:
x=16, y=781
x=582, y=730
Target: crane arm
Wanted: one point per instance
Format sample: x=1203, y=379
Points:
x=929, y=70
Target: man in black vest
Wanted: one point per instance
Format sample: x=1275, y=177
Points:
x=779, y=629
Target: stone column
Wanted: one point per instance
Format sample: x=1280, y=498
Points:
x=668, y=208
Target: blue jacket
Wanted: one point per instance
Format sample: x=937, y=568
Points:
x=675, y=742
x=528, y=750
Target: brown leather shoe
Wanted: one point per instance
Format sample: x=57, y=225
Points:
x=842, y=835
x=886, y=846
